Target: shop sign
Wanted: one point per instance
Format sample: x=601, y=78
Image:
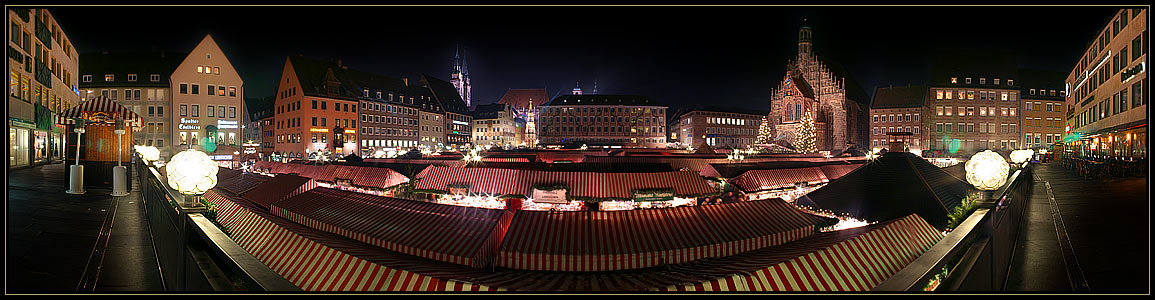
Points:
x=654, y=195
x=100, y=116
x=1128, y=73
x=189, y=121
x=460, y=122
x=458, y=188
x=553, y=197
x=221, y=157
x=189, y=127
x=226, y=124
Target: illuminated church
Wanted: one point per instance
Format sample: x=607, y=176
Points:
x=839, y=108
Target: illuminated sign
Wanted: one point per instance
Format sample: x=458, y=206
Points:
x=553, y=197
x=458, y=188
x=189, y=127
x=221, y=157
x=318, y=130
x=189, y=121
x=460, y=122
x=350, y=131
x=1128, y=73
x=226, y=124
x=654, y=195
x=251, y=145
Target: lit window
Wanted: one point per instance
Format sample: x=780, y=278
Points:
x=982, y=81
x=954, y=80
x=109, y=77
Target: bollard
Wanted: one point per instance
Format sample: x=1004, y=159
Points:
x=118, y=181
x=75, y=179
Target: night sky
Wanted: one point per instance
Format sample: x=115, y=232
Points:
x=679, y=56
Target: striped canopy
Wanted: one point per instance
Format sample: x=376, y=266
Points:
x=101, y=109
x=455, y=234
x=837, y=171
x=762, y=180
x=581, y=184
x=620, y=240
x=365, y=177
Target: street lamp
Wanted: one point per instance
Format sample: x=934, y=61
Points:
x=76, y=171
x=119, y=177
x=191, y=173
x=987, y=171
x=1021, y=156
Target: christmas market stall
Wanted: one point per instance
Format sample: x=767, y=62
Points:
x=104, y=130
x=516, y=189
x=788, y=184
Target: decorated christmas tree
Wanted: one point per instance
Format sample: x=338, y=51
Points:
x=805, y=141
x=764, y=132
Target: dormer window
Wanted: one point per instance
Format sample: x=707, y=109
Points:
x=154, y=77
x=131, y=77
x=378, y=94
x=1010, y=82
x=109, y=77
x=968, y=80
x=1032, y=91
x=982, y=81
x=996, y=81
x=366, y=93
x=954, y=80
x=86, y=78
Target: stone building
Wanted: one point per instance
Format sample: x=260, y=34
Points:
x=837, y=105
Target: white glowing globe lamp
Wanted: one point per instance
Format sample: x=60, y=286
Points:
x=191, y=172
x=1021, y=156
x=987, y=170
x=149, y=153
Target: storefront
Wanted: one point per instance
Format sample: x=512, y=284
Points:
x=100, y=147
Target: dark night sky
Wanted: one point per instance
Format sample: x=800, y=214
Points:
x=680, y=56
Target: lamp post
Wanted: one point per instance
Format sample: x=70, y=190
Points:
x=1021, y=156
x=76, y=171
x=987, y=171
x=191, y=173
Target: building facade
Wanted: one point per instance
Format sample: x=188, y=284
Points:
x=268, y=135
x=458, y=119
x=974, y=103
x=1043, y=95
x=899, y=110
x=810, y=87
x=1106, y=112
x=494, y=125
x=389, y=113
x=526, y=103
x=718, y=128
x=140, y=82
x=431, y=124
x=208, y=103
x=603, y=120
x=42, y=67
x=316, y=110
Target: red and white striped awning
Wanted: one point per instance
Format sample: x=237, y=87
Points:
x=455, y=234
x=101, y=109
x=837, y=171
x=581, y=184
x=762, y=180
x=279, y=188
x=367, y=177
x=619, y=240
x=857, y=260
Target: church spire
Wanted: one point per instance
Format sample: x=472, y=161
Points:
x=456, y=61
x=595, y=91
x=577, y=90
x=464, y=64
x=804, y=42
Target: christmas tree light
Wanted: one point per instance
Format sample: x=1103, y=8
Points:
x=805, y=141
x=764, y=136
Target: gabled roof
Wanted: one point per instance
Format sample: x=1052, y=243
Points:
x=895, y=185
x=899, y=97
x=628, y=100
x=802, y=86
x=488, y=111
x=445, y=94
x=122, y=64
x=727, y=109
x=520, y=98
x=311, y=73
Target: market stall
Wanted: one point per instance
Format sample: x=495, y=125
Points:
x=100, y=148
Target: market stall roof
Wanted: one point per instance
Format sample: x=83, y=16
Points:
x=764, y=180
x=894, y=185
x=279, y=188
x=834, y=172
x=235, y=182
x=101, y=109
x=590, y=241
x=456, y=234
x=595, y=185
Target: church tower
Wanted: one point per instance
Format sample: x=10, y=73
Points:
x=459, y=77
x=577, y=90
x=804, y=42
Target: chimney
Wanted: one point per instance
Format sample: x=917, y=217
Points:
x=406, y=80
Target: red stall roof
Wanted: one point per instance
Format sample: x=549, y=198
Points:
x=581, y=184
x=456, y=234
x=761, y=180
x=836, y=171
x=278, y=188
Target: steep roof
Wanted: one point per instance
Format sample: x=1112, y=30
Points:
x=1041, y=79
x=728, y=109
x=975, y=63
x=630, y=100
x=899, y=97
x=802, y=85
x=895, y=185
x=445, y=94
x=520, y=98
x=122, y=64
x=488, y=111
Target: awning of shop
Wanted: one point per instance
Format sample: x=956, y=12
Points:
x=622, y=240
x=456, y=234
x=236, y=182
x=581, y=184
x=834, y=172
x=762, y=180
x=101, y=108
x=847, y=260
x=279, y=188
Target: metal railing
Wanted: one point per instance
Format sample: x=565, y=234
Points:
x=193, y=254
x=975, y=256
